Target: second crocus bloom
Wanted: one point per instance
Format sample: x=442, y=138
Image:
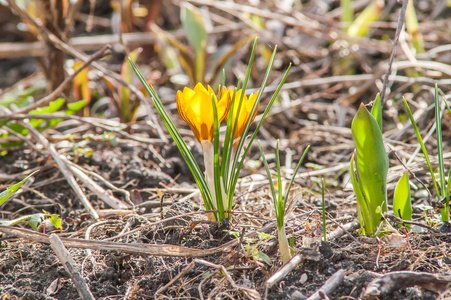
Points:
x=244, y=111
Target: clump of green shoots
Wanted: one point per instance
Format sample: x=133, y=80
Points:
x=204, y=110
x=280, y=200
x=442, y=188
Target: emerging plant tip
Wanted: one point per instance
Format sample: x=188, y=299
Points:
x=196, y=108
x=244, y=111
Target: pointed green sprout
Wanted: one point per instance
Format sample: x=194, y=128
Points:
x=371, y=161
x=280, y=200
x=362, y=24
x=228, y=165
x=402, y=204
x=348, y=14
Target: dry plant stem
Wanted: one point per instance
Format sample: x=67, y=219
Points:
x=57, y=92
x=108, y=184
x=63, y=168
x=395, y=218
x=131, y=248
x=331, y=284
x=345, y=229
x=112, y=201
x=402, y=17
x=69, y=264
x=282, y=272
x=90, y=43
x=403, y=279
x=253, y=294
x=106, y=125
x=176, y=277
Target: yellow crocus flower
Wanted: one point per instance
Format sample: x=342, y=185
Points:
x=196, y=108
x=245, y=111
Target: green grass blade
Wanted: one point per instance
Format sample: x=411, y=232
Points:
x=228, y=144
x=280, y=201
x=287, y=193
x=376, y=111
x=268, y=173
x=12, y=189
x=183, y=148
x=348, y=14
x=445, y=211
x=235, y=173
x=246, y=129
x=217, y=175
x=423, y=148
x=438, y=131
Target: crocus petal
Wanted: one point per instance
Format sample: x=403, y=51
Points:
x=196, y=108
x=245, y=111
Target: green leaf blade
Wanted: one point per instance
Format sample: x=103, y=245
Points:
x=402, y=204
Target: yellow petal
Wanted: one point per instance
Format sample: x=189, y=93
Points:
x=245, y=111
x=196, y=108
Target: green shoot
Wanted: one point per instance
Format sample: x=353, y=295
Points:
x=370, y=179
x=280, y=201
x=402, y=204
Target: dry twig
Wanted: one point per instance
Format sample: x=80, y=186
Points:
x=331, y=283
x=69, y=264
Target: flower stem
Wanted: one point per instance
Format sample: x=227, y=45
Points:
x=284, y=248
x=208, y=150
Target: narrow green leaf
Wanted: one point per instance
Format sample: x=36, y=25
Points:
x=362, y=24
x=265, y=258
x=347, y=15
x=124, y=93
x=376, y=110
x=12, y=189
x=51, y=108
x=222, y=61
x=423, y=148
x=197, y=36
x=183, y=148
x=280, y=208
x=401, y=200
x=364, y=216
x=217, y=167
x=268, y=173
x=35, y=220
x=287, y=193
x=238, y=164
x=76, y=106
x=438, y=130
